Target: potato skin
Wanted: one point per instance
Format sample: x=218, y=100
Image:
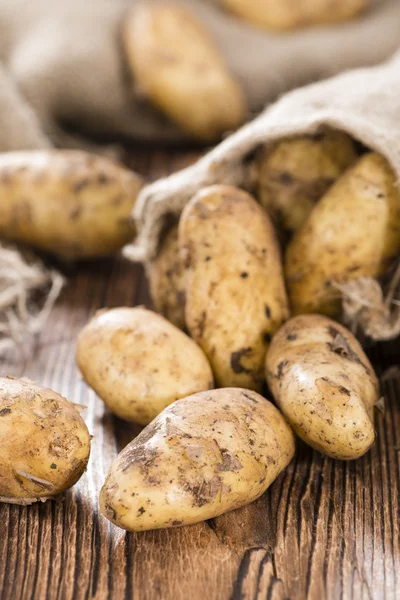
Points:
x=354, y=231
x=201, y=457
x=176, y=65
x=295, y=173
x=70, y=203
x=139, y=363
x=166, y=275
x=294, y=14
x=235, y=292
x=324, y=385
x=45, y=444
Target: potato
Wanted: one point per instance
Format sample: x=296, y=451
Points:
x=235, y=293
x=67, y=202
x=293, y=14
x=353, y=231
x=45, y=444
x=166, y=276
x=201, y=457
x=294, y=173
x=324, y=384
x=139, y=363
x=177, y=67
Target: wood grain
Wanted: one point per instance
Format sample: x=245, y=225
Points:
x=324, y=530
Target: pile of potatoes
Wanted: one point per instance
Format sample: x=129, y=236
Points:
x=226, y=280
x=334, y=209
x=197, y=376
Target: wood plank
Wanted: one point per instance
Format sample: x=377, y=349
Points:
x=324, y=530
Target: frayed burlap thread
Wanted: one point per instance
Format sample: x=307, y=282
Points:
x=28, y=291
x=366, y=308
x=364, y=103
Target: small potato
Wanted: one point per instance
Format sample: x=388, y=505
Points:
x=45, y=444
x=67, y=202
x=294, y=14
x=354, y=231
x=139, y=363
x=324, y=384
x=176, y=65
x=166, y=275
x=201, y=457
x=295, y=173
x=235, y=292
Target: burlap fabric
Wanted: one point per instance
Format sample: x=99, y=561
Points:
x=63, y=64
x=364, y=103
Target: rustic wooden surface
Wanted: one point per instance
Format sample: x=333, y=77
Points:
x=324, y=530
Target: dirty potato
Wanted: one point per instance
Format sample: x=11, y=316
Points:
x=166, y=275
x=67, y=202
x=295, y=173
x=202, y=456
x=353, y=231
x=177, y=67
x=324, y=384
x=294, y=14
x=45, y=444
x=139, y=363
x=235, y=293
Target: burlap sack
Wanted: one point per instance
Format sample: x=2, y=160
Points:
x=65, y=65
x=61, y=62
x=365, y=103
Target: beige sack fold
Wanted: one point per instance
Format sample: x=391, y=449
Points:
x=19, y=125
x=365, y=103
x=65, y=60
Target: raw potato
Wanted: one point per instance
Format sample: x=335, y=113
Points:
x=166, y=275
x=177, y=66
x=324, y=384
x=67, y=202
x=293, y=14
x=139, y=363
x=45, y=444
x=295, y=173
x=201, y=457
x=353, y=231
x=235, y=292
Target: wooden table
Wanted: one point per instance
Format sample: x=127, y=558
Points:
x=324, y=530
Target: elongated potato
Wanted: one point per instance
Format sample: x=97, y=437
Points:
x=202, y=456
x=166, y=275
x=295, y=173
x=67, y=202
x=45, y=444
x=235, y=293
x=353, y=231
x=293, y=14
x=139, y=363
x=324, y=384
x=176, y=65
